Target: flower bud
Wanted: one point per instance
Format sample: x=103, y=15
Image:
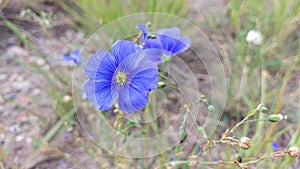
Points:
x=66, y=98
x=254, y=37
x=211, y=108
x=200, y=130
x=293, y=151
x=245, y=143
x=276, y=117
x=161, y=84
x=202, y=134
x=182, y=135
x=263, y=109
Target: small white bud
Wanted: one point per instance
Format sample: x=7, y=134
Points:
x=254, y=37
x=67, y=98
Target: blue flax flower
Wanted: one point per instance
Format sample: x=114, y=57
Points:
x=199, y=148
x=126, y=73
x=168, y=40
x=172, y=159
x=74, y=57
x=275, y=146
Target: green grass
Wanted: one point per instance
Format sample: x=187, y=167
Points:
x=93, y=14
x=263, y=73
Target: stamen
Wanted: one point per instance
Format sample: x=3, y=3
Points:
x=121, y=78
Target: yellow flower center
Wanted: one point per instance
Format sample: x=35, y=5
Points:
x=121, y=78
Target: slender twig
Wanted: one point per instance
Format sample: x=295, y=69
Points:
x=251, y=113
x=264, y=157
x=255, y=120
x=138, y=37
x=233, y=163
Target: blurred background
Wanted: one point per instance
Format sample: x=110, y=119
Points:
x=39, y=128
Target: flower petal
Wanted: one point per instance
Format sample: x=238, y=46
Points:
x=152, y=43
x=155, y=55
x=173, y=32
x=168, y=38
x=142, y=75
x=74, y=57
x=101, y=66
x=132, y=99
x=171, y=41
x=182, y=45
x=122, y=49
x=144, y=30
x=100, y=94
x=146, y=79
x=77, y=52
x=89, y=89
x=136, y=63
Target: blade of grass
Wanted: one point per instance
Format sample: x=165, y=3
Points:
x=57, y=126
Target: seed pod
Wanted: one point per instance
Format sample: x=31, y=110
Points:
x=293, y=151
x=279, y=154
x=244, y=143
x=275, y=117
x=263, y=109
x=260, y=106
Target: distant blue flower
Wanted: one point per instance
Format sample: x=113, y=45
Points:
x=68, y=133
x=2, y=142
x=168, y=39
x=275, y=146
x=66, y=136
x=74, y=57
x=172, y=159
x=13, y=128
x=126, y=73
x=199, y=148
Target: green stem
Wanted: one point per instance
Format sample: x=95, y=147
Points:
x=251, y=113
x=255, y=120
